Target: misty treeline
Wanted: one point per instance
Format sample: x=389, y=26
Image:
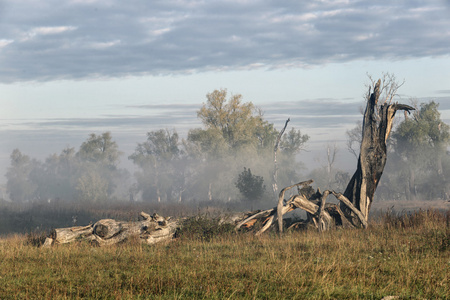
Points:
x=229, y=159
x=205, y=166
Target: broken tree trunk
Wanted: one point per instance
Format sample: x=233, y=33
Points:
x=377, y=125
x=150, y=230
x=354, y=203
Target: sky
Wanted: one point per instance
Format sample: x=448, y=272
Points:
x=69, y=68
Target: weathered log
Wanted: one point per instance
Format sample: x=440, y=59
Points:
x=68, y=235
x=150, y=230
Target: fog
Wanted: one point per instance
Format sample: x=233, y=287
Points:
x=192, y=164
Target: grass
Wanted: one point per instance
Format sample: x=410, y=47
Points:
x=400, y=255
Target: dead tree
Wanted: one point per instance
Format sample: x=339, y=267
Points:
x=355, y=202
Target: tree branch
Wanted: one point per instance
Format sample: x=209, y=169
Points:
x=323, y=199
x=281, y=198
x=347, y=202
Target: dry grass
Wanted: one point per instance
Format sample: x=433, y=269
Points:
x=402, y=255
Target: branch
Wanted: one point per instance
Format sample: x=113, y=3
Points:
x=281, y=198
x=347, y=202
x=321, y=225
x=344, y=220
x=269, y=212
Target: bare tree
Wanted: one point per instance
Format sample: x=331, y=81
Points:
x=354, y=139
x=332, y=151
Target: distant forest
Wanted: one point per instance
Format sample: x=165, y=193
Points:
x=229, y=159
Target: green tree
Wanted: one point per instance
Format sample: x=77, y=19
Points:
x=250, y=186
x=235, y=134
x=92, y=187
x=239, y=124
x=100, y=149
x=421, y=144
x=157, y=158
x=98, y=160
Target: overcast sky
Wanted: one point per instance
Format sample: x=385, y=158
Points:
x=69, y=68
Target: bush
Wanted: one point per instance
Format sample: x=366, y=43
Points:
x=203, y=228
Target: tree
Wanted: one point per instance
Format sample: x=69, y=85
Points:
x=100, y=149
x=354, y=139
x=251, y=186
x=236, y=134
x=421, y=142
x=19, y=186
x=56, y=178
x=293, y=142
x=157, y=158
x=92, y=187
x=91, y=174
x=98, y=173
x=377, y=125
x=239, y=124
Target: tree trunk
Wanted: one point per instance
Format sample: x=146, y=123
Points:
x=377, y=125
x=210, y=192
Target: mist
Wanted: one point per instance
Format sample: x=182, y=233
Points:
x=199, y=168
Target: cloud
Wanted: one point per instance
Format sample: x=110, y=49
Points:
x=51, y=40
x=443, y=92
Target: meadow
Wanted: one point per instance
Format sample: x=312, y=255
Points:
x=407, y=256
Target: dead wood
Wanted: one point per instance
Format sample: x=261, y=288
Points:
x=149, y=229
x=275, y=163
x=355, y=202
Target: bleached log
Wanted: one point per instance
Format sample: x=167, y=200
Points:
x=106, y=232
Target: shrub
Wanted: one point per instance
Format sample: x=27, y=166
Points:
x=203, y=228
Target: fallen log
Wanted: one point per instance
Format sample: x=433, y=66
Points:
x=150, y=230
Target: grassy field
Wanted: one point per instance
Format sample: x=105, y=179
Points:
x=404, y=256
